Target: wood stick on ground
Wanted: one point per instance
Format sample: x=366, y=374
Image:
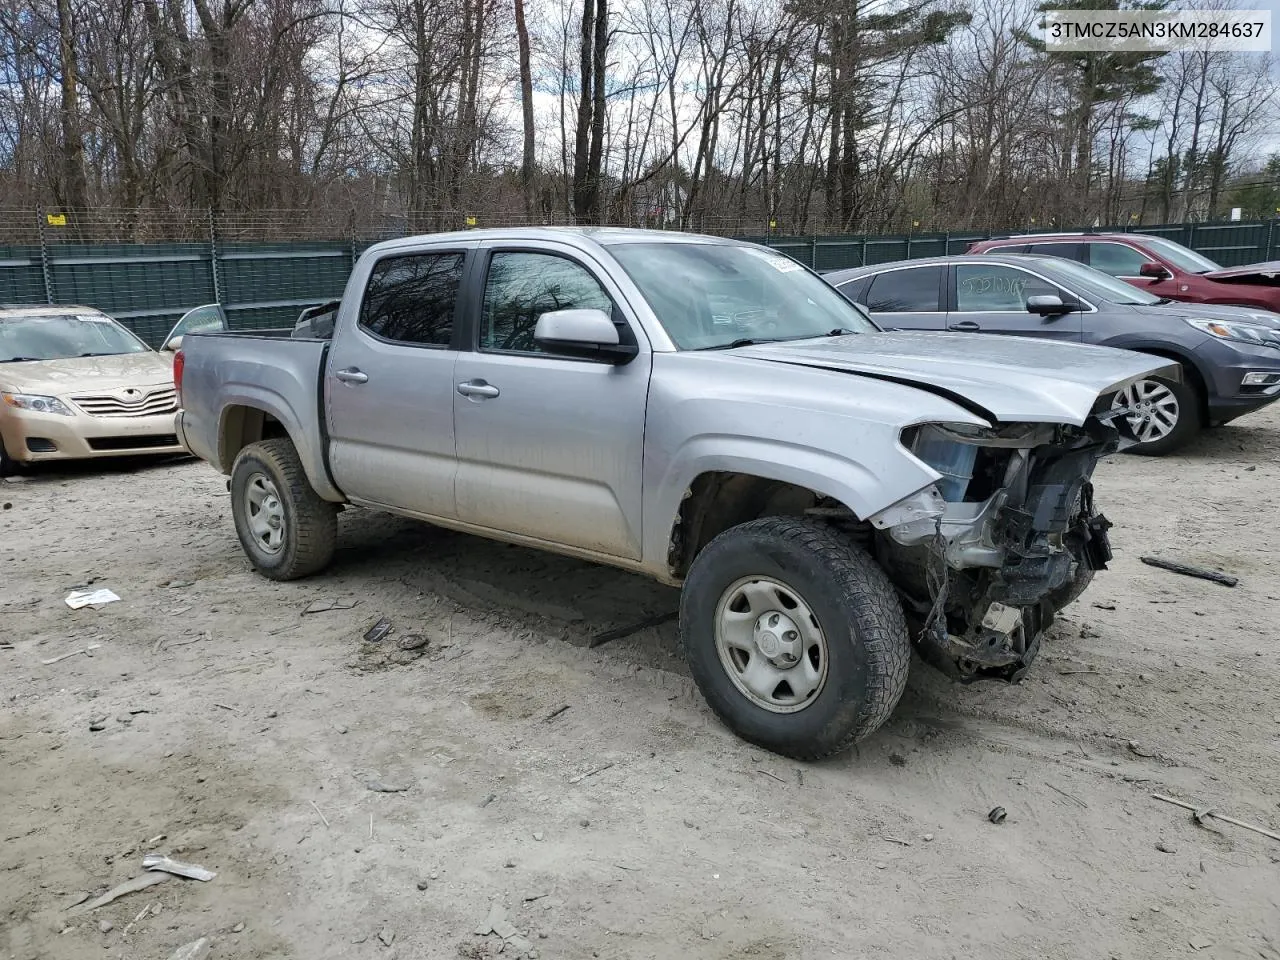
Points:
x=1189, y=571
x=317, y=810
x=1217, y=816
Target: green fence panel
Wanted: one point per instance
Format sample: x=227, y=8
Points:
x=21, y=275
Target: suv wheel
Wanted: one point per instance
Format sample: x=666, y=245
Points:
x=794, y=635
x=1164, y=414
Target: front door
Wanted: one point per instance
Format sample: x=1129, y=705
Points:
x=549, y=447
x=389, y=386
x=992, y=298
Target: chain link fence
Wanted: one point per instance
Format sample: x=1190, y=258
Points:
x=145, y=268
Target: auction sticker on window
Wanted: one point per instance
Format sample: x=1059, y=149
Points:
x=779, y=261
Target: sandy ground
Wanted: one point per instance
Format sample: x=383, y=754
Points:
x=241, y=734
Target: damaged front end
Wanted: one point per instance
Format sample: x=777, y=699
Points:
x=1005, y=538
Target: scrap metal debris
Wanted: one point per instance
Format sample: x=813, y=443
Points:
x=590, y=773
x=1201, y=813
x=377, y=786
x=997, y=815
x=378, y=632
x=156, y=861
x=1189, y=571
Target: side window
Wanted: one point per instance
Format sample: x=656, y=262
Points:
x=521, y=287
x=981, y=288
x=914, y=290
x=1116, y=259
x=855, y=290
x=1068, y=251
x=1011, y=248
x=412, y=299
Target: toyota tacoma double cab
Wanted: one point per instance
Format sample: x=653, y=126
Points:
x=702, y=411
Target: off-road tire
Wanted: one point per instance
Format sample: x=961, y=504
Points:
x=311, y=523
x=1189, y=422
x=869, y=649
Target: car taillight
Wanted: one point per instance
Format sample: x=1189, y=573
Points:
x=179, y=363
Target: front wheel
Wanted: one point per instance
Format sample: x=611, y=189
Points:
x=8, y=466
x=1163, y=414
x=794, y=635
x=285, y=528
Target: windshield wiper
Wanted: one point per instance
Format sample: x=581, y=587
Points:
x=99, y=354
x=742, y=342
x=20, y=360
x=840, y=332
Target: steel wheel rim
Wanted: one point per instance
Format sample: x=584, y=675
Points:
x=1151, y=408
x=771, y=645
x=264, y=513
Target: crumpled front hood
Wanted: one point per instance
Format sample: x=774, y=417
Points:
x=86, y=374
x=1270, y=270
x=1013, y=379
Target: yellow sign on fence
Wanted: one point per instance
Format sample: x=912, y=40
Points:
x=56, y=219
x=471, y=221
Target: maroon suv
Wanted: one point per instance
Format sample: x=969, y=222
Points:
x=1159, y=266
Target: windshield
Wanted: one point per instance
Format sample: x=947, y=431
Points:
x=1100, y=285
x=1180, y=256
x=60, y=336
x=713, y=295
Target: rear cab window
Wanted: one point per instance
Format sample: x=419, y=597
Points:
x=413, y=298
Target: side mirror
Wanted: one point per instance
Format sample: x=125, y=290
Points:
x=1047, y=305
x=1155, y=271
x=588, y=334
x=209, y=318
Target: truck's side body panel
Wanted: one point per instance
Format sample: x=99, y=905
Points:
x=226, y=373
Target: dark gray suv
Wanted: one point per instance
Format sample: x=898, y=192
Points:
x=1230, y=356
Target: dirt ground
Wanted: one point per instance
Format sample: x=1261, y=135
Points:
x=241, y=734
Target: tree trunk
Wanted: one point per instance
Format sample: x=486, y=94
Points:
x=75, y=193
x=528, y=159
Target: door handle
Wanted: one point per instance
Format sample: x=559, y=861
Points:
x=966, y=325
x=352, y=375
x=477, y=388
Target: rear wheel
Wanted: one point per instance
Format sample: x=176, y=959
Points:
x=794, y=635
x=1163, y=414
x=285, y=528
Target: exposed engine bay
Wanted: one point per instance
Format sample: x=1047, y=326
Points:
x=1009, y=535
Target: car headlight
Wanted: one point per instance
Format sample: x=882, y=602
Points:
x=37, y=404
x=1234, y=330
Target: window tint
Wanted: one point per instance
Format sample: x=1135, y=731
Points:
x=1069, y=251
x=1116, y=259
x=521, y=287
x=856, y=290
x=981, y=288
x=412, y=299
x=905, y=291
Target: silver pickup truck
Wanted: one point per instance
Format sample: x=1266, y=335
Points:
x=702, y=411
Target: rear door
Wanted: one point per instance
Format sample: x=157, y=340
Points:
x=389, y=385
x=992, y=298
x=908, y=298
x=549, y=447
x=1067, y=250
